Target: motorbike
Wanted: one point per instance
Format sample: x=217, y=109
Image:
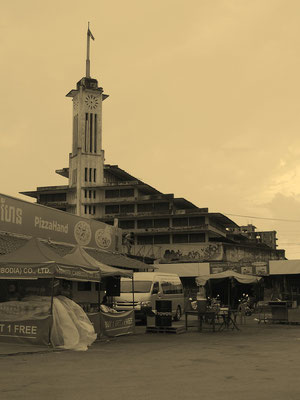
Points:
x=245, y=304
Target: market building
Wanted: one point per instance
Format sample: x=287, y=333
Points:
x=157, y=226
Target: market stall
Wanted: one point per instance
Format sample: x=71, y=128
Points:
x=106, y=321
x=229, y=285
x=31, y=303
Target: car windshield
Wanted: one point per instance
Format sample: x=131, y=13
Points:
x=139, y=286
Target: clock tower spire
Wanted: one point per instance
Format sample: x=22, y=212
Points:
x=87, y=64
x=86, y=162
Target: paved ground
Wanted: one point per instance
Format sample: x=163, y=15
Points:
x=258, y=362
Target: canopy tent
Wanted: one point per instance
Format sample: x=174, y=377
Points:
x=35, y=260
x=118, y=260
x=81, y=257
x=241, y=278
x=230, y=292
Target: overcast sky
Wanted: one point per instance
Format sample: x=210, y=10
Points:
x=204, y=99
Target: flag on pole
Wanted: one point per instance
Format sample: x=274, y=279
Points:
x=90, y=34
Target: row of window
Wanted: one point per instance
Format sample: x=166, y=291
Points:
x=90, y=210
x=130, y=208
x=166, y=239
x=119, y=209
x=91, y=194
x=161, y=223
x=90, y=174
x=115, y=193
x=53, y=197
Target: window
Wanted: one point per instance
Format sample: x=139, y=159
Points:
x=127, y=208
x=145, y=207
x=85, y=193
x=155, y=288
x=85, y=174
x=139, y=286
x=144, y=223
x=171, y=287
x=126, y=192
x=161, y=223
x=144, y=239
x=161, y=206
x=94, y=210
x=85, y=209
x=110, y=194
x=126, y=224
x=94, y=174
x=162, y=239
x=53, y=197
x=86, y=133
x=91, y=132
x=95, y=141
x=84, y=286
x=181, y=238
x=196, y=221
x=94, y=194
x=113, y=209
x=90, y=194
x=90, y=175
x=90, y=209
x=197, y=237
x=180, y=222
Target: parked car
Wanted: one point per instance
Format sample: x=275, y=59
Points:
x=145, y=288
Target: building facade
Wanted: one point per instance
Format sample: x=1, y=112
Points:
x=155, y=224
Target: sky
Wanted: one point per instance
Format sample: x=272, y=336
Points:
x=204, y=99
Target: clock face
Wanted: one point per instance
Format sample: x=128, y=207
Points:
x=91, y=102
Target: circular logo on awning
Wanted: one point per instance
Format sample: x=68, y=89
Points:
x=82, y=233
x=103, y=238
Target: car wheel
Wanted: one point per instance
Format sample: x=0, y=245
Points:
x=178, y=314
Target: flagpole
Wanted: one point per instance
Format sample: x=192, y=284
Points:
x=87, y=73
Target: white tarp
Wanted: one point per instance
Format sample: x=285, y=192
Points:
x=71, y=327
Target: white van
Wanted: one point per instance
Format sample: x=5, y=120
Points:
x=149, y=287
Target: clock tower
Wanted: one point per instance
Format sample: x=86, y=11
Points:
x=86, y=162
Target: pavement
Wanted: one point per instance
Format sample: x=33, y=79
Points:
x=259, y=361
x=10, y=348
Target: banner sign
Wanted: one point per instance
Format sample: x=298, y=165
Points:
x=116, y=324
x=22, y=217
x=247, y=268
x=28, y=331
x=48, y=271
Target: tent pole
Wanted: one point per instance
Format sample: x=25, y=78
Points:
x=99, y=294
x=132, y=285
x=229, y=287
x=51, y=308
